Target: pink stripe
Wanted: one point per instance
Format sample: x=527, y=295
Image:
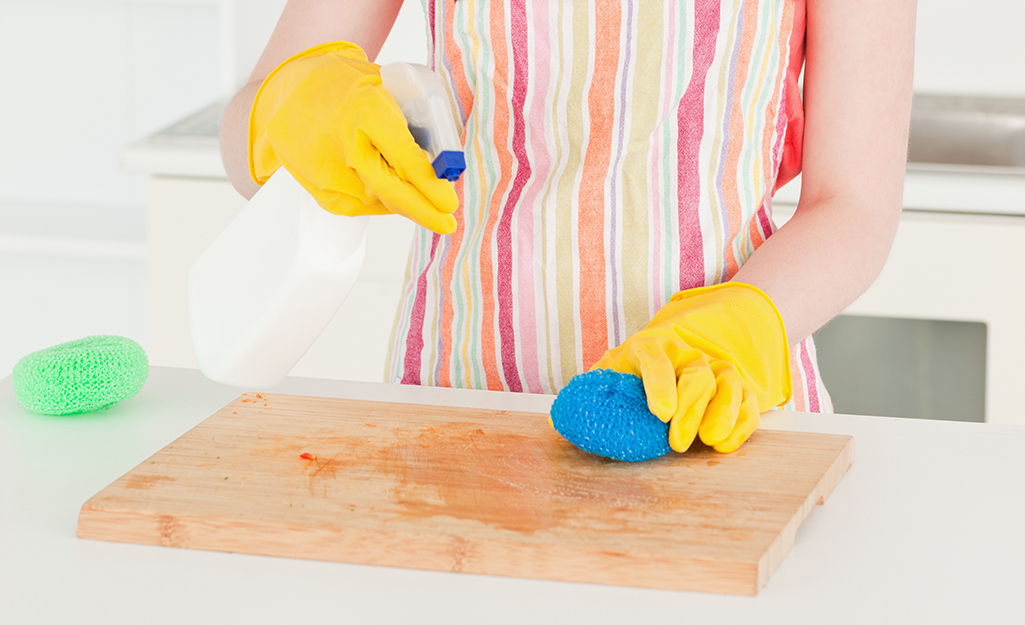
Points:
x=507, y=334
x=764, y=224
x=781, y=131
x=811, y=380
x=415, y=337
x=525, y=227
x=432, y=38
x=690, y=118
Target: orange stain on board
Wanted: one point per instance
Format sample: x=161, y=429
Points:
x=458, y=471
x=523, y=484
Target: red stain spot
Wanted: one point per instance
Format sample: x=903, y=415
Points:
x=307, y=456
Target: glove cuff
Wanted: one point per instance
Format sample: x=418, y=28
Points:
x=268, y=161
x=759, y=314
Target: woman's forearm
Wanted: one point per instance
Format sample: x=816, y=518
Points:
x=235, y=142
x=303, y=24
x=857, y=105
x=821, y=260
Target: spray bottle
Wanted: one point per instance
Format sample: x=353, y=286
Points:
x=272, y=280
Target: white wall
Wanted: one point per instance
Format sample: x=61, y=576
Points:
x=84, y=77
x=971, y=47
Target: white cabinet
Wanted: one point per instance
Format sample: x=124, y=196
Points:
x=959, y=266
x=962, y=268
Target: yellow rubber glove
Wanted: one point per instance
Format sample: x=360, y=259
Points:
x=324, y=115
x=711, y=360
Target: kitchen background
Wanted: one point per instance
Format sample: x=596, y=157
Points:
x=110, y=184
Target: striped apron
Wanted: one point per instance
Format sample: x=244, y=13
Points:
x=617, y=151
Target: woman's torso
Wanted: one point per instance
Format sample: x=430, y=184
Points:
x=617, y=152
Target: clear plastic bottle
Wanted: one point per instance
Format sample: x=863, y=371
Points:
x=273, y=279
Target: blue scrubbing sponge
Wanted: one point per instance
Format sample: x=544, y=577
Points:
x=605, y=412
x=79, y=376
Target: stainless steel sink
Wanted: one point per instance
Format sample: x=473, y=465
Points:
x=967, y=133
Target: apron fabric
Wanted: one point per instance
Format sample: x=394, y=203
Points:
x=617, y=152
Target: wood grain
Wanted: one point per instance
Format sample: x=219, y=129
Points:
x=458, y=489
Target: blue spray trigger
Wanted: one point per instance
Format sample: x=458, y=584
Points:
x=449, y=165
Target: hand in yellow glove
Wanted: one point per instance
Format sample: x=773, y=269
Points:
x=711, y=360
x=325, y=116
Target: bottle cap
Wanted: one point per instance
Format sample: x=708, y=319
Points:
x=449, y=165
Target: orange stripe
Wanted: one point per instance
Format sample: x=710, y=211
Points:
x=591, y=209
x=447, y=311
x=500, y=135
x=756, y=233
x=454, y=54
x=737, y=137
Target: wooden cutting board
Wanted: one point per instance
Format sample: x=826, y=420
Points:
x=459, y=489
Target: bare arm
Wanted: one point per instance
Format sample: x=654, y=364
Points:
x=303, y=24
x=857, y=91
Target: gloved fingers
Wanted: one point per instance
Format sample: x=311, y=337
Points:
x=695, y=389
x=411, y=163
x=647, y=356
x=614, y=359
x=341, y=203
x=342, y=194
x=724, y=408
x=747, y=422
x=400, y=195
x=403, y=198
x=382, y=123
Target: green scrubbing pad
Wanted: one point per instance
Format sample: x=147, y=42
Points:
x=79, y=376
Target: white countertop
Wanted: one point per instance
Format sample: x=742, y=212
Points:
x=927, y=527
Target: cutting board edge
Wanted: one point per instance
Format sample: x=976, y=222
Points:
x=408, y=550
x=824, y=487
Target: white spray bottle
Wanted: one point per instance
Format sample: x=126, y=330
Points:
x=272, y=280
